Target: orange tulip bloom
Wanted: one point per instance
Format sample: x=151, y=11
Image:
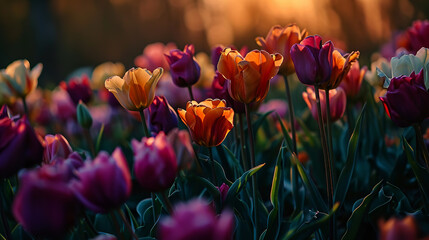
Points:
x=208, y=121
x=136, y=90
x=340, y=68
x=280, y=40
x=250, y=76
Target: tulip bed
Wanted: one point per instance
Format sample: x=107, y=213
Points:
x=185, y=146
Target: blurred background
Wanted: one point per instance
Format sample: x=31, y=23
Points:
x=65, y=35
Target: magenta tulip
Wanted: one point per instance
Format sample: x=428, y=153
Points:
x=337, y=102
x=78, y=88
x=312, y=60
x=56, y=147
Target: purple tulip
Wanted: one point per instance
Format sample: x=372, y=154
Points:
x=223, y=190
x=180, y=140
x=312, y=60
x=155, y=164
x=78, y=88
x=417, y=36
x=162, y=116
x=19, y=146
x=184, y=69
x=104, y=183
x=44, y=205
x=196, y=220
x=56, y=147
x=406, y=100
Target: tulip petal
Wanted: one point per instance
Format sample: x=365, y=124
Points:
x=325, y=61
x=305, y=64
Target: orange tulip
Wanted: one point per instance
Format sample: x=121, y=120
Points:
x=250, y=76
x=208, y=121
x=340, y=68
x=136, y=90
x=280, y=40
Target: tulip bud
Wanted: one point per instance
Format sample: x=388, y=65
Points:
x=83, y=116
x=223, y=189
x=196, y=220
x=155, y=164
x=45, y=205
x=162, y=116
x=184, y=69
x=104, y=183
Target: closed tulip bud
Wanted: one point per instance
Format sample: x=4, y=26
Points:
x=208, y=121
x=398, y=229
x=353, y=80
x=406, y=100
x=249, y=76
x=184, y=69
x=104, y=183
x=312, y=60
x=56, y=147
x=78, y=88
x=20, y=79
x=280, y=40
x=196, y=220
x=84, y=117
x=155, y=164
x=45, y=205
x=337, y=102
x=162, y=116
x=181, y=143
x=20, y=146
x=136, y=90
x=223, y=190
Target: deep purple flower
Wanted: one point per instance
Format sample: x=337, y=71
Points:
x=104, y=183
x=20, y=147
x=44, y=205
x=162, y=116
x=56, y=147
x=417, y=36
x=406, y=100
x=184, y=69
x=78, y=89
x=312, y=60
x=196, y=220
x=223, y=190
x=155, y=164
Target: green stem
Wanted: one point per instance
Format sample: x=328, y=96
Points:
x=212, y=163
x=90, y=225
x=3, y=214
x=326, y=160
x=191, y=95
x=88, y=138
x=242, y=143
x=420, y=141
x=198, y=161
x=167, y=202
x=291, y=113
x=146, y=131
x=127, y=224
x=24, y=103
x=116, y=226
x=252, y=165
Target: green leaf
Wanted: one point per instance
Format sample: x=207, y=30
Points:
x=256, y=124
x=240, y=183
x=231, y=158
x=100, y=135
x=421, y=174
x=133, y=221
x=308, y=227
x=142, y=206
x=345, y=178
x=208, y=185
x=219, y=171
x=286, y=136
x=316, y=198
x=353, y=224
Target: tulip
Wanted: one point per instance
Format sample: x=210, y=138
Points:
x=340, y=68
x=162, y=116
x=104, y=183
x=62, y=106
x=397, y=229
x=155, y=164
x=223, y=190
x=219, y=90
x=78, y=89
x=353, y=80
x=6, y=95
x=208, y=121
x=196, y=220
x=217, y=51
x=20, y=79
x=406, y=100
x=45, y=205
x=312, y=60
x=184, y=69
x=56, y=147
x=20, y=147
x=153, y=56
x=136, y=90
x=104, y=71
x=280, y=40
x=249, y=76
x=181, y=143
x=417, y=35
x=337, y=101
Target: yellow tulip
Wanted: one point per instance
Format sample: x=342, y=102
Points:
x=19, y=79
